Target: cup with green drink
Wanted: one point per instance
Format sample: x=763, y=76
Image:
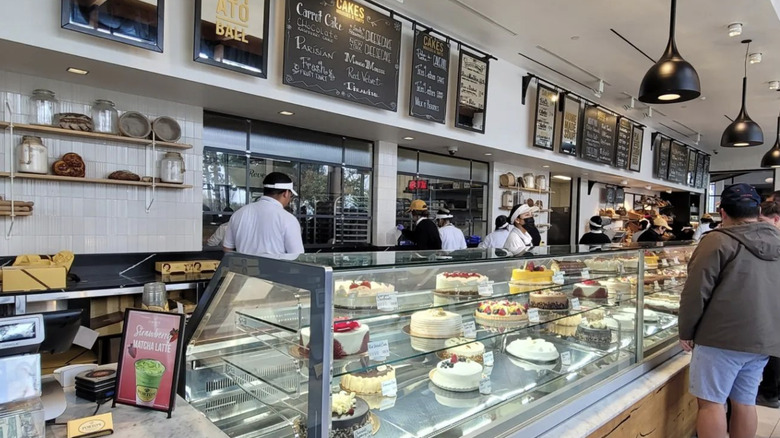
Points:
x=148, y=373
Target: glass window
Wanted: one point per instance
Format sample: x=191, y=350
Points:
x=449, y=167
x=225, y=132
x=480, y=171
x=358, y=152
x=407, y=161
x=295, y=143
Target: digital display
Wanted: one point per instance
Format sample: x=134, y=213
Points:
x=418, y=184
x=17, y=331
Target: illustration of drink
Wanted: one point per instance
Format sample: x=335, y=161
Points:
x=148, y=373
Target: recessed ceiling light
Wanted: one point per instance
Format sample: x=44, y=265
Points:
x=755, y=58
x=649, y=187
x=735, y=29
x=562, y=177
x=286, y=113
x=408, y=138
x=703, y=98
x=546, y=166
x=77, y=71
x=488, y=154
x=774, y=85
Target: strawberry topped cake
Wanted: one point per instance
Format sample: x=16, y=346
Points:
x=500, y=312
x=349, y=338
x=590, y=289
x=459, y=283
x=359, y=294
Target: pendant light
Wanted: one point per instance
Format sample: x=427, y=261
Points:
x=743, y=131
x=772, y=157
x=672, y=79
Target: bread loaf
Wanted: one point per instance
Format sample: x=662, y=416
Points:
x=124, y=175
x=71, y=164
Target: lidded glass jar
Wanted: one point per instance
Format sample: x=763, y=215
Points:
x=105, y=117
x=172, y=168
x=43, y=106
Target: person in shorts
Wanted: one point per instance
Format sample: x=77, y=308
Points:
x=728, y=314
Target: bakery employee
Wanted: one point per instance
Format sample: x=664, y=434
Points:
x=644, y=224
x=705, y=226
x=452, y=237
x=656, y=232
x=265, y=227
x=519, y=240
x=497, y=238
x=596, y=234
x=425, y=234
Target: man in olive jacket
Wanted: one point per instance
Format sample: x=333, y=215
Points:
x=730, y=314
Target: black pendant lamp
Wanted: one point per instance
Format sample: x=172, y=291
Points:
x=672, y=79
x=743, y=131
x=772, y=157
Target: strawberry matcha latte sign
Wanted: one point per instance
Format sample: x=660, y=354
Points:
x=149, y=359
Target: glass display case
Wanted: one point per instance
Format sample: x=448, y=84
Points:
x=415, y=344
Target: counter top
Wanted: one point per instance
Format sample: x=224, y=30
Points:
x=132, y=422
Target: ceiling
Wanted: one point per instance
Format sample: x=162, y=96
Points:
x=580, y=44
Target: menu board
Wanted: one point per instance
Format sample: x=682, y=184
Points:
x=430, y=75
x=598, y=135
x=699, y=179
x=472, y=92
x=678, y=163
x=691, y=167
x=620, y=195
x=609, y=195
x=343, y=49
x=637, y=137
x=544, y=126
x=662, y=158
x=706, y=174
x=571, y=125
x=623, y=144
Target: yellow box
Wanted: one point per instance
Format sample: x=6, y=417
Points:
x=21, y=279
x=90, y=427
x=187, y=267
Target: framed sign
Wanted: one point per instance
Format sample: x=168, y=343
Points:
x=691, y=174
x=544, y=125
x=471, y=108
x=662, y=158
x=598, y=135
x=232, y=35
x=623, y=143
x=430, y=76
x=150, y=355
x=637, y=138
x=570, y=129
x=135, y=22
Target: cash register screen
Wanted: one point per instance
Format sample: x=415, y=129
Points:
x=17, y=331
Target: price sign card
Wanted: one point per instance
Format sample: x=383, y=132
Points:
x=676, y=260
x=378, y=350
x=558, y=277
x=566, y=358
x=575, y=304
x=485, y=289
x=363, y=432
x=533, y=315
x=487, y=358
x=585, y=274
x=665, y=263
x=469, y=330
x=656, y=286
x=485, y=387
x=389, y=388
x=387, y=302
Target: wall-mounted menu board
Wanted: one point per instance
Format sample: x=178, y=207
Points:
x=544, y=125
x=691, y=176
x=699, y=181
x=598, y=135
x=623, y=143
x=343, y=49
x=706, y=174
x=678, y=163
x=620, y=195
x=637, y=137
x=662, y=158
x=570, y=129
x=430, y=75
x=472, y=92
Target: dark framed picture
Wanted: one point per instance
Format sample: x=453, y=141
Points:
x=544, y=123
x=570, y=129
x=662, y=158
x=138, y=23
x=430, y=77
x=637, y=140
x=150, y=354
x=471, y=106
x=232, y=35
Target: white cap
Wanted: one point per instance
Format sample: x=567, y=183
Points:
x=523, y=209
x=281, y=186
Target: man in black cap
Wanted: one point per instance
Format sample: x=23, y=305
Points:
x=425, y=234
x=729, y=314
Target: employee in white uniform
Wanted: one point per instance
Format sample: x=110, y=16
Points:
x=452, y=237
x=519, y=241
x=265, y=227
x=497, y=238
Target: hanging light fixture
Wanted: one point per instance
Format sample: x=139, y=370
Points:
x=772, y=157
x=672, y=79
x=743, y=131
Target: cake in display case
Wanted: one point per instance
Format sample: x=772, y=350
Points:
x=419, y=344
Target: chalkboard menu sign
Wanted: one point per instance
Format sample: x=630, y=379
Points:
x=570, y=128
x=598, y=135
x=637, y=137
x=678, y=163
x=609, y=195
x=344, y=49
x=620, y=195
x=691, y=167
x=544, y=126
x=662, y=158
x=623, y=144
x=706, y=174
x=472, y=92
x=430, y=73
x=699, y=180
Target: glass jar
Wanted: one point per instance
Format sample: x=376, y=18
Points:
x=172, y=168
x=43, y=106
x=105, y=117
x=155, y=297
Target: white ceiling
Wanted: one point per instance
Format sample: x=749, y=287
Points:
x=579, y=33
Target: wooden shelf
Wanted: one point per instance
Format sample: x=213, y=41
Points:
x=52, y=130
x=523, y=189
x=93, y=180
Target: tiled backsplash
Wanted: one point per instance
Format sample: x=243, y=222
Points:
x=100, y=218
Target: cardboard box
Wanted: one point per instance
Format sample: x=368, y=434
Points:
x=22, y=279
x=191, y=266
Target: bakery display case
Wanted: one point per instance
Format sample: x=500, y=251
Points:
x=413, y=344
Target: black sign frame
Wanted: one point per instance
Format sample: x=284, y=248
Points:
x=552, y=108
x=681, y=173
x=583, y=135
x=571, y=148
x=69, y=10
x=426, y=115
x=638, y=132
x=663, y=149
x=622, y=120
x=458, y=123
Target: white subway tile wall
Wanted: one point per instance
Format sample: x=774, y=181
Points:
x=100, y=218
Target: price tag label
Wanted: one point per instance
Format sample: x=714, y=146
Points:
x=533, y=315
x=619, y=297
x=469, y=330
x=575, y=304
x=665, y=263
x=378, y=350
x=487, y=358
x=389, y=388
x=387, y=403
x=676, y=260
x=566, y=358
x=363, y=432
x=585, y=274
x=487, y=370
x=179, y=307
x=387, y=302
x=558, y=277
x=621, y=269
x=485, y=289
x=484, y=386
x=656, y=286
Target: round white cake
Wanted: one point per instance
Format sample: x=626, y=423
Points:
x=457, y=375
x=348, y=340
x=359, y=294
x=459, y=282
x=465, y=348
x=533, y=349
x=436, y=323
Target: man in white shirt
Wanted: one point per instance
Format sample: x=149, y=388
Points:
x=265, y=227
x=452, y=238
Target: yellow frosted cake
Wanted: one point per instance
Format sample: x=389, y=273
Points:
x=530, y=278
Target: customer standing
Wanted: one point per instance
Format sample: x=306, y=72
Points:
x=265, y=227
x=452, y=237
x=596, y=234
x=769, y=389
x=497, y=238
x=519, y=240
x=729, y=314
x=425, y=234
